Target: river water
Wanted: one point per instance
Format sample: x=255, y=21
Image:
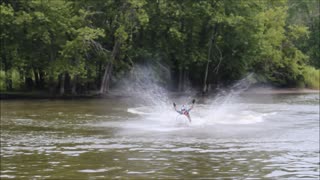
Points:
x=255, y=136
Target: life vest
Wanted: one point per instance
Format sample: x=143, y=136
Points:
x=185, y=112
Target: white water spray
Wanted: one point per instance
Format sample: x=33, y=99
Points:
x=146, y=85
x=154, y=110
x=227, y=107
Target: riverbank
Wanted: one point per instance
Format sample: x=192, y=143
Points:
x=43, y=95
x=280, y=91
x=96, y=95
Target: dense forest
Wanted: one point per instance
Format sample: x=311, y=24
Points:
x=81, y=46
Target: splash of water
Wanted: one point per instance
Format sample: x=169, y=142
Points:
x=146, y=84
x=232, y=93
x=227, y=107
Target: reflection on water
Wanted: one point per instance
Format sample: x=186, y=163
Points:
x=271, y=137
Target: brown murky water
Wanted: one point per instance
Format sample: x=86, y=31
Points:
x=274, y=137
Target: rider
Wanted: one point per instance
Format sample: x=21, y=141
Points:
x=184, y=110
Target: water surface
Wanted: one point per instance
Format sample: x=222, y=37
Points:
x=261, y=136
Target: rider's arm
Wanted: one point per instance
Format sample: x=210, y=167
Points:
x=174, y=105
x=193, y=101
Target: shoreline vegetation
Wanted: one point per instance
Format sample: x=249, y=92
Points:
x=96, y=95
x=281, y=91
x=74, y=48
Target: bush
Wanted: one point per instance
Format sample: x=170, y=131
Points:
x=15, y=77
x=311, y=77
x=2, y=81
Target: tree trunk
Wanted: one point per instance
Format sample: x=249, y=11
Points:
x=211, y=41
x=62, y=79
x=105, y=83
x=21, y=79
x=28, y=83
x=51, y=85
x=74, y=85
x=8, y=80
x=36, y=78
x=41, y=79
x=98, y=79
x=181, y=80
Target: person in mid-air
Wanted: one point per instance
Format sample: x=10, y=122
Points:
x=184, y=110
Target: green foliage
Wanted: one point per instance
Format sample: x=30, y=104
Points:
x=306, y=13
x=17, y=81
x=73, y=53
x=311, y=77
x=2, y=81
x=278, y=40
